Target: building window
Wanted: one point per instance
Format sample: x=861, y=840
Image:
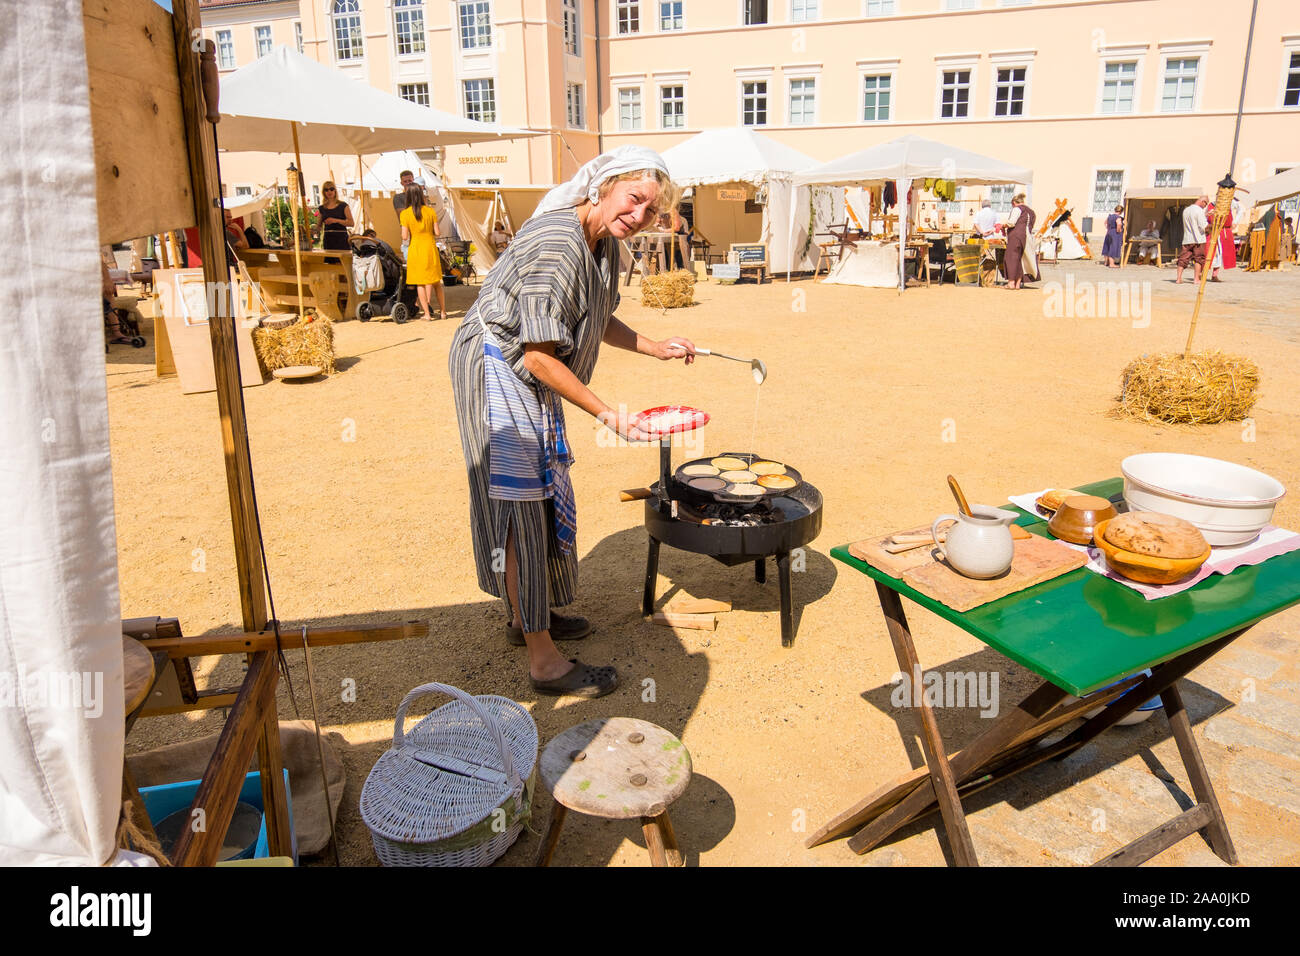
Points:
x=1000, y=197
x=480, y=101
x=954, y=102
x=875, y=98
x=225, y=50
x=417, y=93
x=1179, y=93
x=263, y=35
x=803, y=102
x=297, y=34
x=347, y=30
x=672, y=107
x=408, y=26
x=953, y=207
x=1168, y=177
x=802, y=11
x=1108, y=191
x=670, y=16
x=755, y=12
x=959, y=4
x=880, y=8
x=629, y=107
x=475, y=26
x=243, y=191
x=629, y=17
x=572, y=36
x=1289, y=207
x=753, y=103
x=1117, y=87
x=1291, y=95
x=315, y=194
x=1010, y=93
x=573, y=105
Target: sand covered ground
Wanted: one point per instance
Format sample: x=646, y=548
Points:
x=875, y=397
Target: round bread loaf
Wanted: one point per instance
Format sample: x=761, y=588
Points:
x=1157, y=535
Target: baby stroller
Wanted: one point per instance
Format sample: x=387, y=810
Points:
x=377, y=269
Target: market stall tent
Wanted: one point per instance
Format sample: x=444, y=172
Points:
x=1164, y=204
x=904, y=160
x=381, y=180
x=478, y=208
x=1275, y=188
x=763, y=169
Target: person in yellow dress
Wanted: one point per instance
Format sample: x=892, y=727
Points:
x=423, y=267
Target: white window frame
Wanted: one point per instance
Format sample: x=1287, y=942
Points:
x=315, y=194
x=334, y=18
x=868, y=68
x=411, y=8
x=659, y=18
x=1002, y=205
x=960, y=6
x=257, y=39
x=816, y=13
x=880, y=11
x=1290, y=206
x=243, y=189
x=575, y=94
x=1198, y=50
x=955, y=64
x=1108, y=60
x=1092, y=188
x=477, y=31
x=630, y=6
x=1196, y=84
x=225, y=63
x=662, y=83
x=297, y=34
x=571, y=14
x=1290, y=48
x=428, y=93
x=767, y=22
x=619, y=90
x=764, y=76
x=464, y=98
x=1016, y=61
x=1170, y=167
x=802, y=77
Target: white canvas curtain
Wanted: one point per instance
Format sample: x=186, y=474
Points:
x=61, y=720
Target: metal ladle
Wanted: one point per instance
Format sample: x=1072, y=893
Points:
x=757, y=365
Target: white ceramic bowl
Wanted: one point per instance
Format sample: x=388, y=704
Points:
x=1229, y=503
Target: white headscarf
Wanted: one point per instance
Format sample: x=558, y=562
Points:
x=586, y=184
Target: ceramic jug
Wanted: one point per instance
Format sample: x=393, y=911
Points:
x=977, y=546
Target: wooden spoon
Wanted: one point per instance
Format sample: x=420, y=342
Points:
x=961, y=499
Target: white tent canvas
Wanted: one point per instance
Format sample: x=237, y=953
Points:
x=765, y=167
x=381, y=180
x=906, y=159
x=334, y=113
x=1275, y=188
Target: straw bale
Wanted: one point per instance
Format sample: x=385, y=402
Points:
x=1204, y=388
x=310, y=341
x=668, y=290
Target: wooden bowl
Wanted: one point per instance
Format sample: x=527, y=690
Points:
x=1078, y=516
x=1144, y=567
x=297, y=371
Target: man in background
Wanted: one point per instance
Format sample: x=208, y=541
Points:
x=1195, y=225
x=986, y=220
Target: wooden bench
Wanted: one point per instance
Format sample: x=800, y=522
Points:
x=322, y=282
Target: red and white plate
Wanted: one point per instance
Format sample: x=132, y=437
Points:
x=669, y=419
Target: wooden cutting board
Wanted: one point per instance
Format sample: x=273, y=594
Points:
x=1035, y=560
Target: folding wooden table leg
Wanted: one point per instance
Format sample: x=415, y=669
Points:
x=954, y=820
x=1217, y=829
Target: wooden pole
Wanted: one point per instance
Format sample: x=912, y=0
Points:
x=204, y=184
x=1220, y=213
x=295, y=178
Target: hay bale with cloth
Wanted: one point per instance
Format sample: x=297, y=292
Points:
x=308, y=341
x=668, y=290
x=1201, y=388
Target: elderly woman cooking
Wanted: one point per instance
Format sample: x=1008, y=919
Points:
x=530, y=340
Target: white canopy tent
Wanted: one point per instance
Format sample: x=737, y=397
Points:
x=382, y=180
x=1275, y=188
x=479, y=208
x=721, y=157
x=332, y=113
x=904, y=160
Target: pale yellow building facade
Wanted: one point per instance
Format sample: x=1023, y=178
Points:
x=1096, y=96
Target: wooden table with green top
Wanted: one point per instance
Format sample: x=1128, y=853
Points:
x=1079, y=632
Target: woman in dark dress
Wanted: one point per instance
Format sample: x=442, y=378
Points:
x=335, y=218
x=1018, y=228
x=1113, y=244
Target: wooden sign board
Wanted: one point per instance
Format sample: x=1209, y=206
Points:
x=750, y=254
x=135, y=105
x=732, y=195
x=182, y=342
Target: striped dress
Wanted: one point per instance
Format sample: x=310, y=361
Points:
x=546, y=287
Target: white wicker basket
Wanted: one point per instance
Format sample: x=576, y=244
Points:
x=457, y=790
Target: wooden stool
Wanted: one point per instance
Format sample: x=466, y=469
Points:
x=616, y=768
